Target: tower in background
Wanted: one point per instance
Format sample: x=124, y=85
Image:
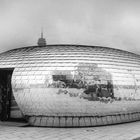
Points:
x=41, y=41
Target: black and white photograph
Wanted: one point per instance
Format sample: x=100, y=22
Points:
x=69, y=69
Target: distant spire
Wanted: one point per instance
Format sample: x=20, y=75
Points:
x=41, y=41
x=42, y=32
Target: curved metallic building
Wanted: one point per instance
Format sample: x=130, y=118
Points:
x=74, y=85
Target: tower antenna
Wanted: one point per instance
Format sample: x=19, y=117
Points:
x=41, y=32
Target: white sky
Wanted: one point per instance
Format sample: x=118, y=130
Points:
x=111, y=23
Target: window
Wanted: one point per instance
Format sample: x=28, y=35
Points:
x=59, y=77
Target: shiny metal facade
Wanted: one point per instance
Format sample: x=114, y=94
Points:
x=52, y=82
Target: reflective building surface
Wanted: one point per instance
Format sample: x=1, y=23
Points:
x=74, y=85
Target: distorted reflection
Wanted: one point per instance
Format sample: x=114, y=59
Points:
x=87, y=81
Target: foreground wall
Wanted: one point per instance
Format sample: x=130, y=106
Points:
x=54, y=85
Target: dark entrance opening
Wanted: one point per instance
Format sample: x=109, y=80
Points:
x=9, y=110
x=5, y=93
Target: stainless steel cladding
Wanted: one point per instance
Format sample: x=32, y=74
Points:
x=75, y=85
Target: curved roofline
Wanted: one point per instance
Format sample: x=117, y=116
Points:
x=76, y=45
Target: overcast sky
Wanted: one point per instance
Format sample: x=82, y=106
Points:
x=112, y=23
